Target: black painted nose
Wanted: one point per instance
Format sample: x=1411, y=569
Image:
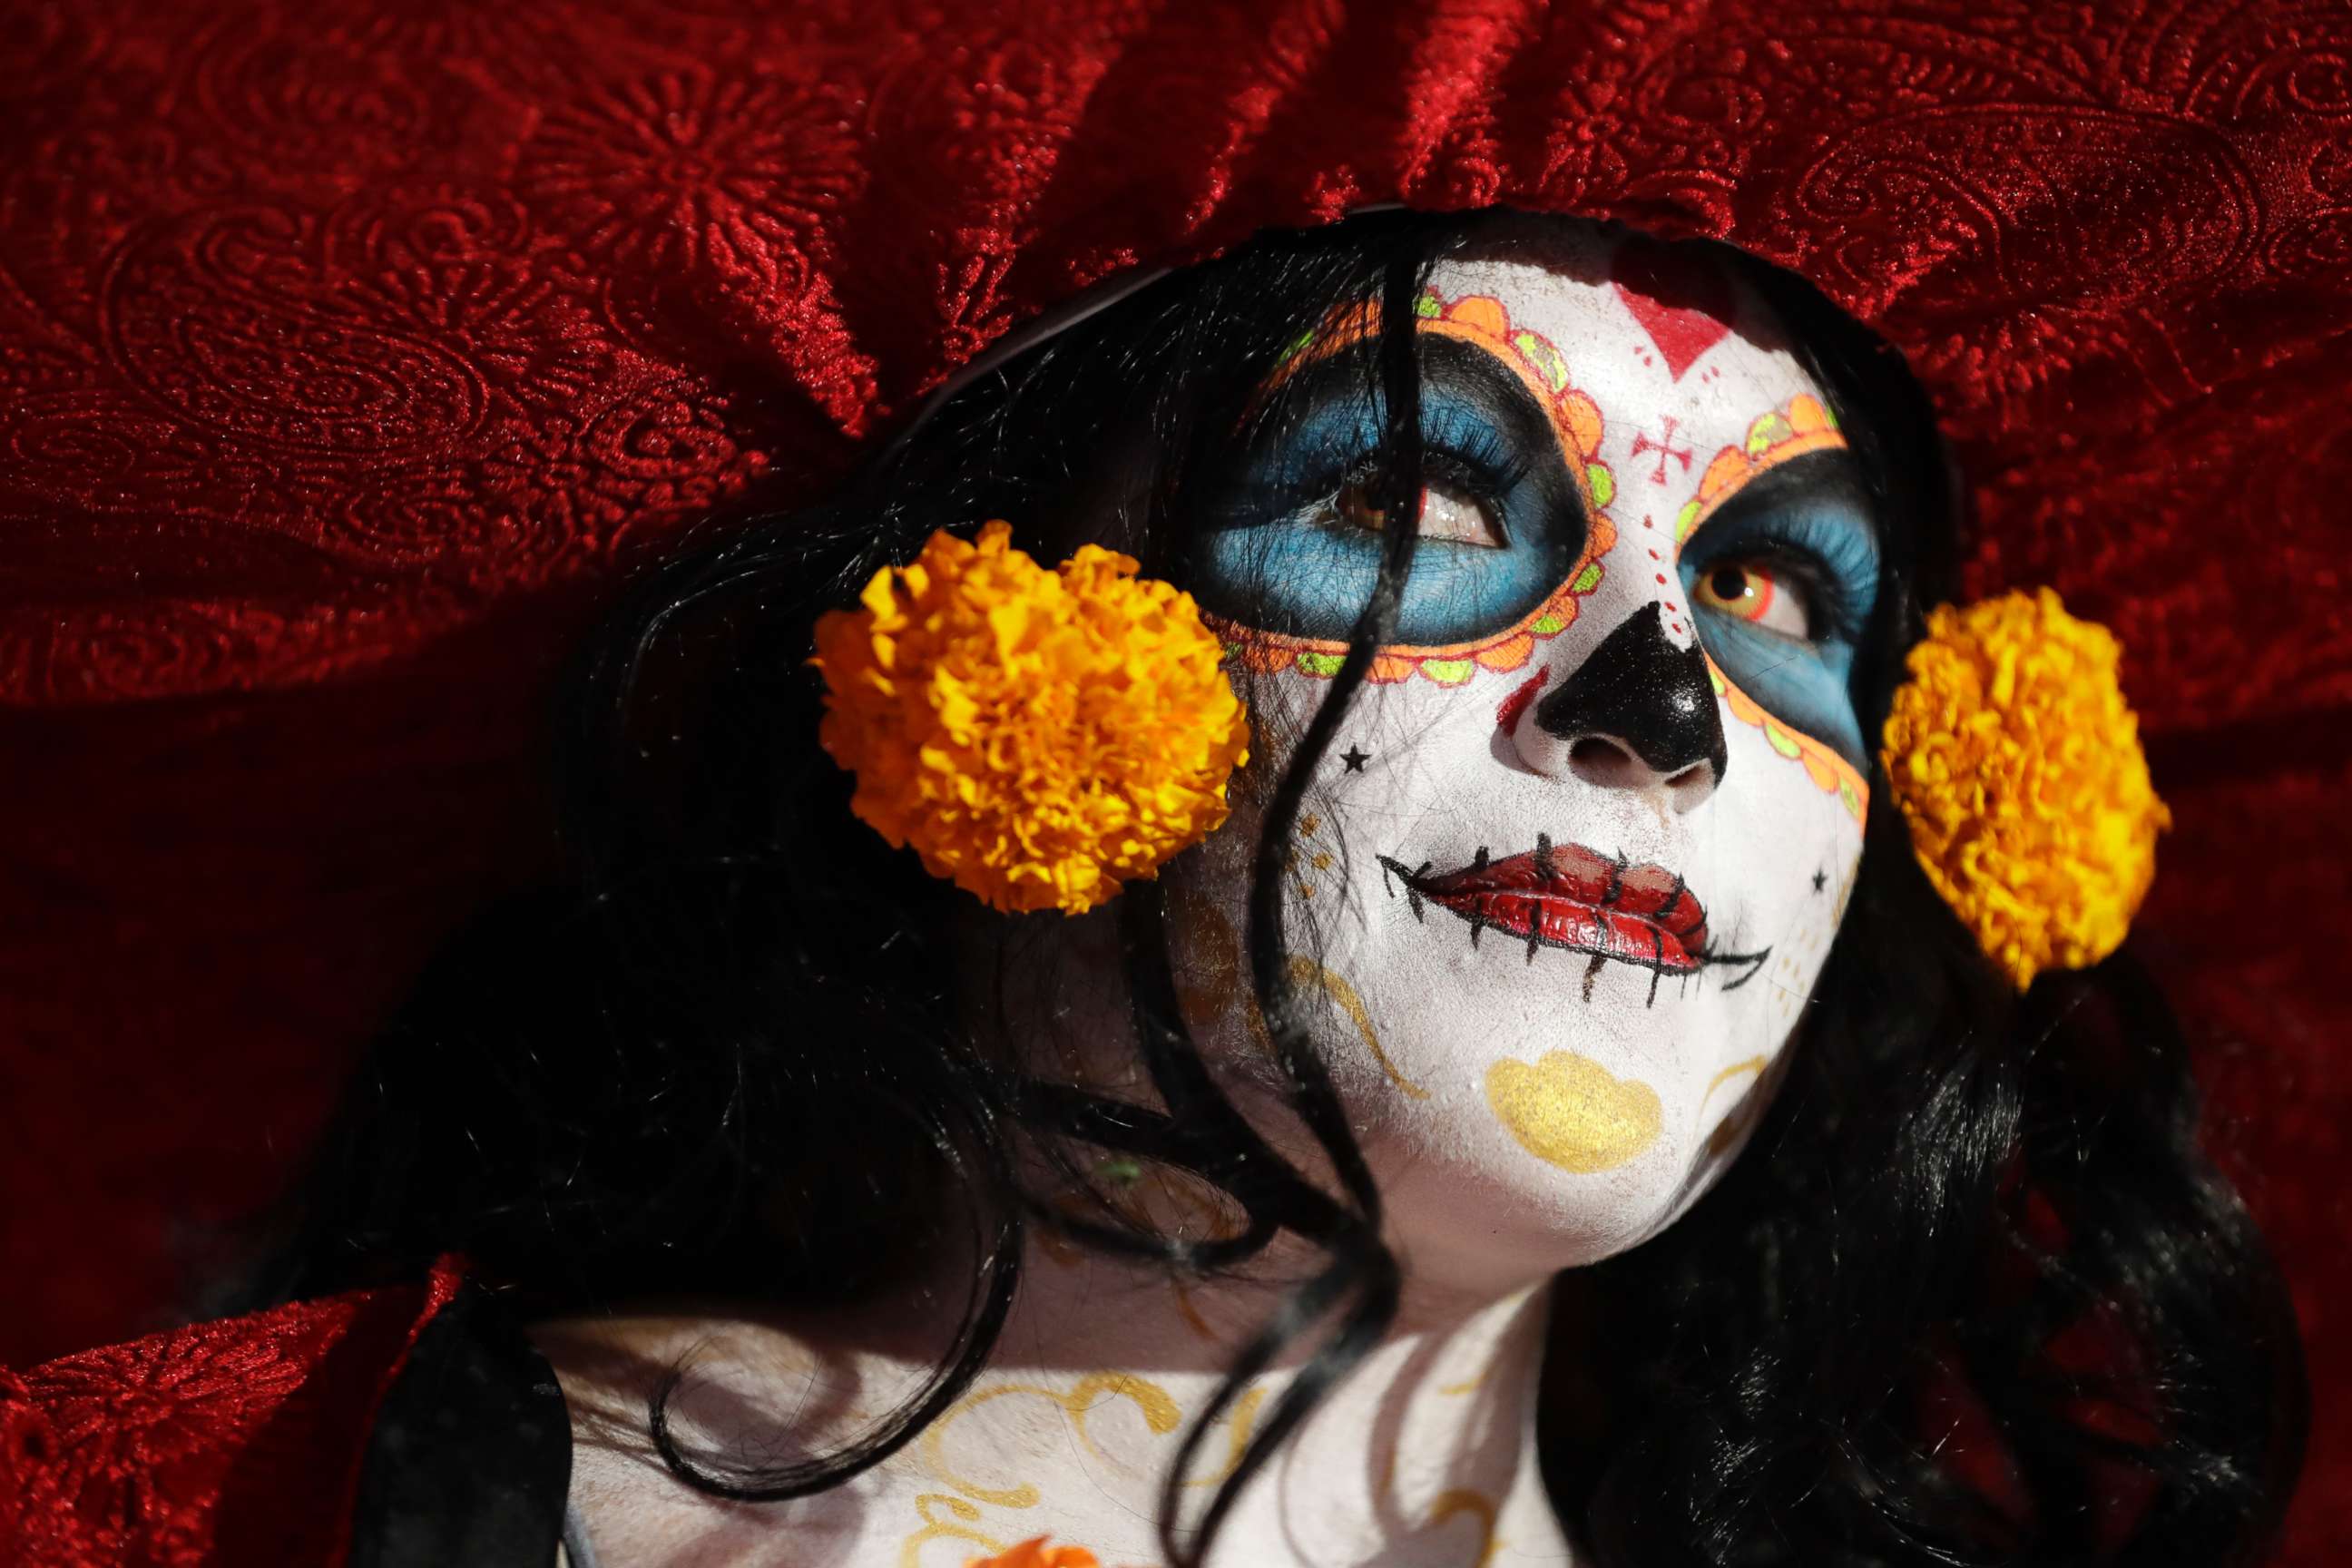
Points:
x=1640, y=714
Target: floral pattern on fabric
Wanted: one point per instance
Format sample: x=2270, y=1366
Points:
x=228, y=1442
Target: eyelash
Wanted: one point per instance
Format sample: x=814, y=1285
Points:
x=1834, y=601
x=1462, y=452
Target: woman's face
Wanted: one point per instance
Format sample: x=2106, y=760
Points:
x=1567, y=876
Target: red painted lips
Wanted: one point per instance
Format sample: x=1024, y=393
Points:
x=1568, y=896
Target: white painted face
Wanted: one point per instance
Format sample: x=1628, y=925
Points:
x=1575, y=856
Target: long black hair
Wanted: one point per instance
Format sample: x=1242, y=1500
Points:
x=1973, y=1294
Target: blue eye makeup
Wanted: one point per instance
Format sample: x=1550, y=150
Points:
x=1291, y=547
x=1808, y=524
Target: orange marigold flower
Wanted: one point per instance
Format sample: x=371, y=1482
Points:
x=1038, y=737
x=2018, y=765
x=1034, y=1553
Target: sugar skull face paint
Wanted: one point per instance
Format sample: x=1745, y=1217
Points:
x=1585, y=835
x=1515, y=513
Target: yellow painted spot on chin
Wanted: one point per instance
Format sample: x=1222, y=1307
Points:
x=1567, y=1110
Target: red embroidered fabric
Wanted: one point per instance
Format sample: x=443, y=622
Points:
x=347, y=361
x=233, y=1442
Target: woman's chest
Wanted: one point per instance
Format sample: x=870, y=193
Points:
x=934, y=1506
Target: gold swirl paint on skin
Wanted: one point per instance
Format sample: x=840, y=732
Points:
x=1240, y=1421
x=1159, y=1414
x=1568, y=1110
x=1482, y=322
x=911, y=1552
x=1753, y=1064
x=1305, y=973
x=1735, y=1122
x=1218, y=981
x=1450, y=1503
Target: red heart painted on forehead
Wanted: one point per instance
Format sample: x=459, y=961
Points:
x=1684, y=303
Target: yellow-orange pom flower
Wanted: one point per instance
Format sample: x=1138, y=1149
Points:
x=1039, y=737
x=2018, y=765
x=1036, y=1554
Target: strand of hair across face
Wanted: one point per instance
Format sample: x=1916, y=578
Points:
x=1361, y=1263
x=1313, y=1097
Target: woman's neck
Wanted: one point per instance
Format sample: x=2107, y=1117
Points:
x=1424, y=1454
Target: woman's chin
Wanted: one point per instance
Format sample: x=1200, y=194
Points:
x=1472, y=1217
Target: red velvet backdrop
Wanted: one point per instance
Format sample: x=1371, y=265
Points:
x=344, y=365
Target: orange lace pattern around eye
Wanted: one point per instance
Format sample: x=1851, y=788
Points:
x=1833, y=772
x=1483, y=321
x=1773, y=438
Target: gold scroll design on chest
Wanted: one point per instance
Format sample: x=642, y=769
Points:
x=1160, y=1418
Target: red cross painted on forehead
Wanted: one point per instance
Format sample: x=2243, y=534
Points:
x=1681, y=299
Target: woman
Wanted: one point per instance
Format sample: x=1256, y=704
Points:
x=1369, y=1187
x=1329, y=1197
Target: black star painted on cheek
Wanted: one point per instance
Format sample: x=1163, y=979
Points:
x=1355, y=757
x=1820, y=881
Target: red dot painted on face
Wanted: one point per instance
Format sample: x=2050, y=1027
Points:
x=1654, y=555
x=1662, y=576
x=1684, y=303
x=1506, y=715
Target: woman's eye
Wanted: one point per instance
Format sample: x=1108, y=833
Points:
x=1447, y=513
x=1761, y=593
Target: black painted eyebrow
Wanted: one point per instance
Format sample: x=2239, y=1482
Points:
x=1499, y=393
x=1829, y=474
